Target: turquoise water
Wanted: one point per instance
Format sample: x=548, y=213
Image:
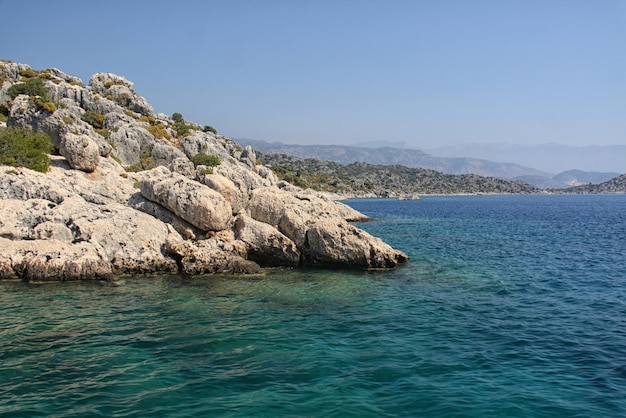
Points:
x=510, y=307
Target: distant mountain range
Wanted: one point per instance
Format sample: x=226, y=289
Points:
x=551, y=158
x=347, y=154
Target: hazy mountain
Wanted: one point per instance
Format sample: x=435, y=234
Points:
x=616, y=185
x=568, y=178
x=345, y=154
x=552, y=158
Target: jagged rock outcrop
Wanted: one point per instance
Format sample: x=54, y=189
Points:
x=334, y=242
x=120, y=91
x=201, y=206
x=265, y=244
x=92, y=217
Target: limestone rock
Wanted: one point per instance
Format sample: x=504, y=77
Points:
x=320, y=231
x=205, y=142
x=267, y=175
x=50, y=260
x=164, y=154
x=337, y=243
x=129, y=142
x=28, y=184
x=25, y=114
x=245, y=180
x=182, y=166
x=233, y=195
x=265, y=244
x=197, y=204
x=120, y=90
x=50, y=231
x=80, y=151
x=281, y=210
x=219, y=254
x=248, y=157
x=182, y=227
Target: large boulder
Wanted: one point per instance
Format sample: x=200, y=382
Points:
x=202, y=207
x=265, y=244
x=334, y=242
x=80, y=151
x=281, y=210
x=320, y=230
x=129, y=142
x=206, y=142
x=233, y=195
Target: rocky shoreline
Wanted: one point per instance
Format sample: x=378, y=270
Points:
x=123, y=195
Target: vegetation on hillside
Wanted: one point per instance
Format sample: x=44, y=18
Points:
x=616, y=185
x=20, y=147
x=364, y=179
x=33, y=85
x=203, y=158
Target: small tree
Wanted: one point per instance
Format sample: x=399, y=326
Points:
x=178, y=118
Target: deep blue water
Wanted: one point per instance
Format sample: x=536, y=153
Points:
x=511, y=306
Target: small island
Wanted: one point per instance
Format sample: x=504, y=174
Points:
x=109, y=187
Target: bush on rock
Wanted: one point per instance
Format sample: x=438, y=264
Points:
x=20, y=147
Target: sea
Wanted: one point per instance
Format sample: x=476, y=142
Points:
x=510, y=306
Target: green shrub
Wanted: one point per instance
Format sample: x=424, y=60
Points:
x=159, y=131
x=146, y=160
x=103, y=132
x=4, y=113
x=45, y=74
x=180, y=126
x=182, y=129
x=178, y=118
x=29, y=73
x=150, y=119
x=32, y=87
x=134, y=168
x=47, y=106
x=95, y=119
x=208, y=128
x=20, y=147
x=202, y=158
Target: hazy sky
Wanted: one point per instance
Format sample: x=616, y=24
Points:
x=424, y=72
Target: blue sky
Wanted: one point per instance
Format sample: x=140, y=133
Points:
x=426, y=72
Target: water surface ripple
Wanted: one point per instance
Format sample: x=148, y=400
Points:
x=510, y=307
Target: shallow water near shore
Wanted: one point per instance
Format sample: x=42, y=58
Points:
x=510, y=306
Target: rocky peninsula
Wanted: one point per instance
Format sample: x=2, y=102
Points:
x=130, y=191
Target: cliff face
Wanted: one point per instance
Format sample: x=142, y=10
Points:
x=123, y=196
